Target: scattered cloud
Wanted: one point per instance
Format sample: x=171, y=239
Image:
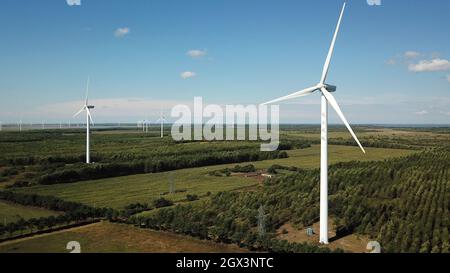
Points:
x=412, y=54
x=430, y=66
x=197, y=53
x=73, y=2
x=391, y=62
x=188, y=74
x=121, y=32
x=422, y=113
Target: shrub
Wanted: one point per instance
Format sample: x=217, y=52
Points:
x=162, y=202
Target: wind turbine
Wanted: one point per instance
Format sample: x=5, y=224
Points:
x=89, y=120
x=162, y=119
x=146, y=124
x=327, y=98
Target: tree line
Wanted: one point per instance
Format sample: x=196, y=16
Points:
x=72, y=213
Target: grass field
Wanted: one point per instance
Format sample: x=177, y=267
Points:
x=310, y=158
x=121, y=191
x=106, y=237
x=10, y=213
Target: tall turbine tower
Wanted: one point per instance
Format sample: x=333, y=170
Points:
x=89, y=120
x=162, y=119
x=327, y=98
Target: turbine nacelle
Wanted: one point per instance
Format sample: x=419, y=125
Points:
x=92, y=107
x=330, y=88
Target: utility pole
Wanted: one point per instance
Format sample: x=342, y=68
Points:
x=171, y=184
x=261, y=221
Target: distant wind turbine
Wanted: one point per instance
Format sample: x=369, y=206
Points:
x=162, y=119
x=327, y=97
x=146, y=122
x=89, y=120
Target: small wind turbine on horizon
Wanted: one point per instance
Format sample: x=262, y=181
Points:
x=146, y=122
x=162, y=119
x=327, y=98
x=89, y=120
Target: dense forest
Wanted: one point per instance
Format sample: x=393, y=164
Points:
x=403, y=203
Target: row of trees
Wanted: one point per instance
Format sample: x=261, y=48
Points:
x=73, y=213
x=236, y=169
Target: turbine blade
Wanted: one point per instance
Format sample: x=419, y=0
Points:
x=326, y=67
x=295, y=95
x=87, y=91
x=90, y=116
x=79, y=112
x=335, y=105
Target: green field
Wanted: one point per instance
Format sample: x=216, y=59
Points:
x=115, y=238
x=10, y=213
x=121, y=191
x=310, y=158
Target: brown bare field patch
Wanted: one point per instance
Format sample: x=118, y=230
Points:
x=105, y=237
x=351, y=243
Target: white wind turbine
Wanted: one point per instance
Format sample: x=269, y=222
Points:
x=327, y=97
x=89, y=120
x=162, y=119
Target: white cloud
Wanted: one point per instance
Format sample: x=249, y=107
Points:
x=188, y=74
x=196, y=53
x=422, y=113
x=412, y=54
x=433, y=65
x=391, y=62
x=121, y=32
x=73, y=2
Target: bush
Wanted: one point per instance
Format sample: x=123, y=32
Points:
x=191, y=198
x=162, y=202
x=244, y=169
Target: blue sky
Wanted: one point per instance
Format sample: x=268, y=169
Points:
x=390, y=64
